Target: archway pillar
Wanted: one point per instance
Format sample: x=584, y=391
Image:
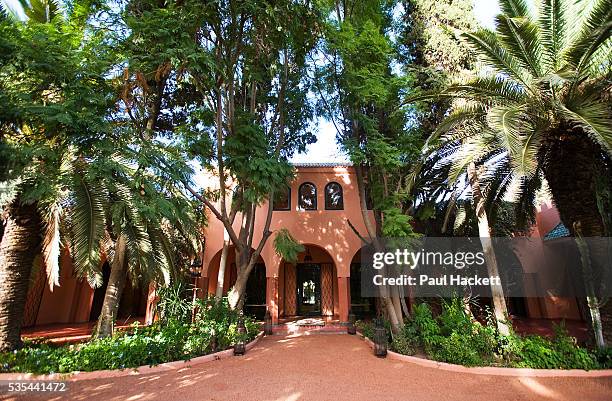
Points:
x=272, y=261
x=272, y=297
x=343, y=299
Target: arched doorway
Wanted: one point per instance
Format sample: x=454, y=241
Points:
x=310, y=286
x=362, y=307
x=255, y=297
x=255, y=300
x=98, y=298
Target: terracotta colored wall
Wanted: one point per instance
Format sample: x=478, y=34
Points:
x=70, y=302
x=327, y=229
x=540, y=260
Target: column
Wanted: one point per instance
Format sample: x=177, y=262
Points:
x=343, y=298
x=272, y=297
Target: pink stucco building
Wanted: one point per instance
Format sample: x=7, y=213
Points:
x=324, y=282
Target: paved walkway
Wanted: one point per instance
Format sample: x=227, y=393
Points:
x=328, y=367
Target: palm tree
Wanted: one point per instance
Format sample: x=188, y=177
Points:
x=149, y=225
x=37, y=125
x=49, y=151
x=540, y=108
x=38, y=11
x=103, y=206
x=540, y=104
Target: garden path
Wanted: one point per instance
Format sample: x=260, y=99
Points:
x=328, y=367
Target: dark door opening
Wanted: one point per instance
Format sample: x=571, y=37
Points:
x=362, y=307
x=308, y=289
x=98, y=299
x=255, y=303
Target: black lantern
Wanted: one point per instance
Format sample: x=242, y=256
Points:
x=195, y=269
x=380, y=339
x=307, y=256
x=268, y=323
x=351, y=329
x=240, y=347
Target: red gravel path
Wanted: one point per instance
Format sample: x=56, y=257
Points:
x=328, y=367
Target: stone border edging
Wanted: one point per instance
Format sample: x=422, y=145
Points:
x=141, y=370
x=493, y=370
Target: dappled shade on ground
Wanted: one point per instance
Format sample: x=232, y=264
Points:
x=328, y=367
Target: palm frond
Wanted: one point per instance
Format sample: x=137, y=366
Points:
x=138, y=244
x=488, y=89
x=526, y=203
x=460, y=217
x=595, y=33
x=471, y=151
x=553, y=30
x=458, y=116
x=521, y=37
x=486, y=44
x=130, y=224
x=514, y=8
x=592, y=116
x=51, y=243
x=164, y=254
x=41, y=11
x=88, y=227
x=517, y=134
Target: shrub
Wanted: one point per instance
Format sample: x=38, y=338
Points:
x=604, y=357
x=541, y=353
x=170, y=339
x=404, y=344
x=365, y=328
x=454, y=336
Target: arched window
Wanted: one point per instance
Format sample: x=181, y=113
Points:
x=333, y=196
x=307, y=197
x=282, y=200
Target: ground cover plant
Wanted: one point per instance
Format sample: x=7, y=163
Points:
x=454, y=336
x=173, y=337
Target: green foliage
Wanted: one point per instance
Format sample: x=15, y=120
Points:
x=173, y=304
x=404, y=343
x=172, y=338
x=455, y=337
x=366, y=328
x=286, y=246
x=560, y=352
x=543, y=79
x=41, y=11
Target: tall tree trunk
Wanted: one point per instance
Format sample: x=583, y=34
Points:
x=222, y=268
x=19, y=246
x=236, y=294
x=589, y=285
x=497, y=292
x=112, y=297
x=386, y=299
x=572, y=164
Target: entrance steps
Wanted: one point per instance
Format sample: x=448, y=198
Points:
x=310, y=326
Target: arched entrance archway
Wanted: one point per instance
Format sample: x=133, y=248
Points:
x=255, y=302
x=310, y=286
x=362, y=307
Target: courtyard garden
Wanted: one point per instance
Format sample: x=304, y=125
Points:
x=134, y=134
x=455, y=337
x=184, y=331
